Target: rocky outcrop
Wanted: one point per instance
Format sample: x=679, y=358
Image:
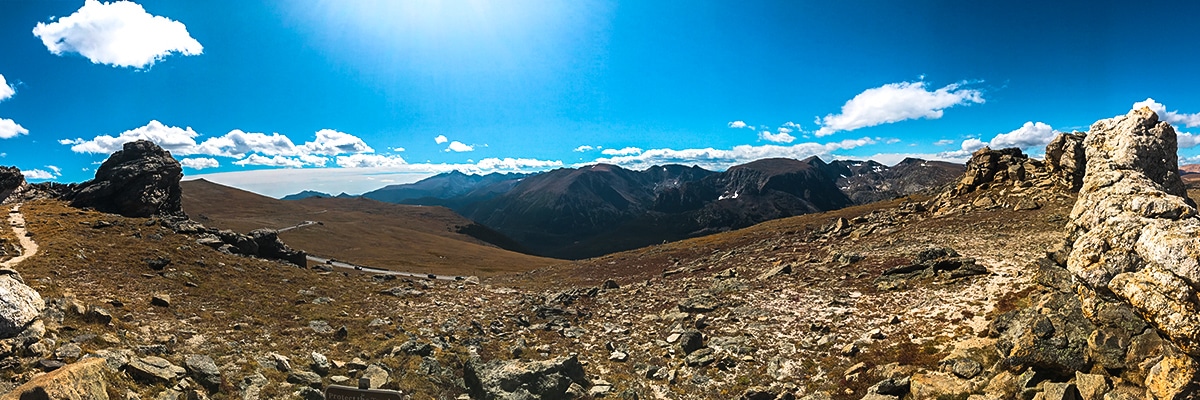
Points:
x=141, y=180
x=19, y=305
x=262, y=243
x=1066, y=160
x=989, y=167
x=84, y=380
x=1136, y=235
x=11, y=180
x=549, y=379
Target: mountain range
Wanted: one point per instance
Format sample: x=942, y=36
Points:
x=575, y=213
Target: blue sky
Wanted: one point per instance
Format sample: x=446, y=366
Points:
x=280, y=96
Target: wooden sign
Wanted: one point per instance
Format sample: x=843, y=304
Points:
x=335, y=392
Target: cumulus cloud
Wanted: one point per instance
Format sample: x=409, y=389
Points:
x=583, y=148
x=235, y=144
x=1186, y=140
x=330, y=143
x=6, y=91
x=895, y=102
x=783, y=136
x=1171, y=117
x=199, y=163
x=120, y=34
x=440, y=139
x=724, y=158
x=1030, y=135
x=11, y=129
x=515, y=164
x=459, y=147
x=180, y=141
x=943, y=142
x=628, y=151
x=739, y=125
x=37, y=174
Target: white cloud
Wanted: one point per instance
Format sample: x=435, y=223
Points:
x=719, y=159
x=459, y=147
x=331, y=143
x=10, y=129
x=943, y=142
x=6, y=91
x=277, y=149
x=237, y=143
x=199, y=163
x=1030, y=135
x=895, y=102
x=1186, y=140
x=782, y=137
x=120, y=34
x=176, y=140
x=793, y=125
x=37, y=174
x=583, y=148
x=1171, y=117
x=628, y=151
x=57, y=171
x=739, y=125
x=369, y=161
x=440, y=139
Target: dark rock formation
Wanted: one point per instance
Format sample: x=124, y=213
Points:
x=141, y=180
x=10, y=181
x=263, y=243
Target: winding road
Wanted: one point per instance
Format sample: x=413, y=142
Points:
x=28, y=246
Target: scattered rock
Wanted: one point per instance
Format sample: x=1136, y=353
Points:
x=699, y=304
x=154, y=370
x=701, y=357
x=691, y=340
x=19, y=305
x=1172, y=377
x=967, y=368
x=161, y=300
x=320, y=364
x=84, y=380
x=549, y=379
x=203, y=370
x=311, y=379
x=375, y=375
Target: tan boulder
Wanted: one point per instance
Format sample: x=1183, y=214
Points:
x=83, y=380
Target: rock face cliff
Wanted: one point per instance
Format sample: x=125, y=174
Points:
x=1136, y=238
x=141, y=180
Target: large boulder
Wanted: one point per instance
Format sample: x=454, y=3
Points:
x=19, y=305
x=84, y=380
x=1136, y=235
x=141, y=180
x=504, y=380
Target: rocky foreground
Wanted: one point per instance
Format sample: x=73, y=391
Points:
x=1072, y=277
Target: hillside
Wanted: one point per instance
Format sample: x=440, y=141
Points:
x=361, y=231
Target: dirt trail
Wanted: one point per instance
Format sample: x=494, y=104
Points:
x=28, y=246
